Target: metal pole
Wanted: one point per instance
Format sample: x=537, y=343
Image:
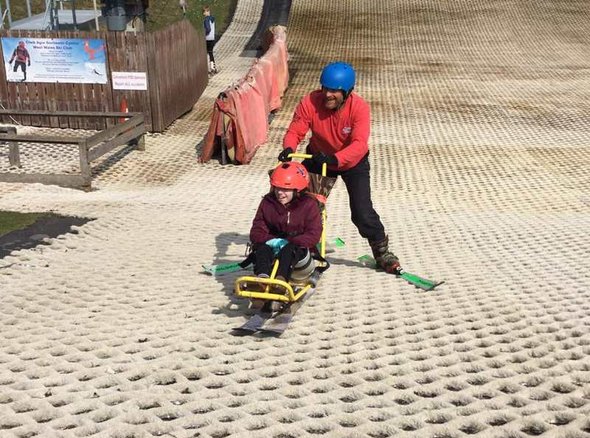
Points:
x=74, y=14
x=95, y=16
x=49, y=6
x=28, y=8
x=9, y=13
x=56, y=15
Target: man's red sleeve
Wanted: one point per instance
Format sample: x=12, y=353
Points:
x=350, y=155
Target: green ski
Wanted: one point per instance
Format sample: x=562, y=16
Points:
x=416, y=280
x=224, y=268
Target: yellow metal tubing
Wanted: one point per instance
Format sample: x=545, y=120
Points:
x=323, y=238
x=290, y=297
x=324, y=212
x=266, y=294
x=302, y=292
x=275, y=268
x=300, y=155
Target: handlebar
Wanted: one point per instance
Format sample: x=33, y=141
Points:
x=324, y=212
x=300, y=155
x=309, y=156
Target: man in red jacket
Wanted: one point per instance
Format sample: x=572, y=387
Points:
x=339, y=120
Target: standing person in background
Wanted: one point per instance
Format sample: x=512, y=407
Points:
x=339, y=120
x=209, y=23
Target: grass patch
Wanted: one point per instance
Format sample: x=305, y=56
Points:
x=11, y=221
x=164, y=12
x=161, y=13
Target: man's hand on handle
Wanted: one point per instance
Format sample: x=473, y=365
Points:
x=284, y=155
x=322, y=158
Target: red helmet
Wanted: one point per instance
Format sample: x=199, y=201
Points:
x=290, y=175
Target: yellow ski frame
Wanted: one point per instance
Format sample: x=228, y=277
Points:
x=289, y=293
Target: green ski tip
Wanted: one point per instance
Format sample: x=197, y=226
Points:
x=338, y=242
x=368, y=261
x=416, y=280
x=420, y=282
x=332, y=245
x=225, y=268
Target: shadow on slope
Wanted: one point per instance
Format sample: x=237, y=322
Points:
x=45, y=227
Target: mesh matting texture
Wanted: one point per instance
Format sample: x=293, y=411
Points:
x=481, y=174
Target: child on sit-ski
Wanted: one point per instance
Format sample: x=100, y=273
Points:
x=288, y=213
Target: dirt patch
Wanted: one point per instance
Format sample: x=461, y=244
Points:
x=33, y=235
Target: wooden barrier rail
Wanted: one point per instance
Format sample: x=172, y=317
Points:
x=131, y=131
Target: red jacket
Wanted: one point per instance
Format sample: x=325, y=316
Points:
x=21, y=54
x=299, y=221
x=343, y=132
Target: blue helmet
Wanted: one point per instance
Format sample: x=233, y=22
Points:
x=338, y=76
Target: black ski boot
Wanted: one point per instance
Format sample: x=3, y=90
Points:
x=387, y=260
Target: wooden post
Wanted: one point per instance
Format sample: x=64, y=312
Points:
x=13, y=150
x=141, y=142
x=14, y=153
x=84, y=163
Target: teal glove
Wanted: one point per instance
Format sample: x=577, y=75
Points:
x=277, y=244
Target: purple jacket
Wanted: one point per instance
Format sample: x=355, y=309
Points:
x=299, y=221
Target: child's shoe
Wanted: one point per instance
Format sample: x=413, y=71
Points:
x=276, y=306
x=275, y=288
x=254, y=286
x=256, y=303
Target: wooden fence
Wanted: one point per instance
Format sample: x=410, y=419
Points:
x=130, y=131
x=174, y=58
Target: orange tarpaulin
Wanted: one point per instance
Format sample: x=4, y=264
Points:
x=240, y=113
